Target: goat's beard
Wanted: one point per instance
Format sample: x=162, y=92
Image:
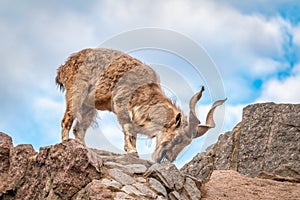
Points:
x=173, y=149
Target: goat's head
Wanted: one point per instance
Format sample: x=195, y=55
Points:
x=184, y=131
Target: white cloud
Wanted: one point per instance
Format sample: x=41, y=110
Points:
x=63, y=30
x=48, y=114
x=233, y=115
x=212, y=23
x=296, y=35
x=266, y=66
x=283, y=91
x=240, y=43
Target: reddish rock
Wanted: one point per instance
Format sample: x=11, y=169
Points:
x=230, y=185
x=5, y=146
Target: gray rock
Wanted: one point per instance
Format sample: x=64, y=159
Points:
x=157, y=186
x=130, y=169
x=136, y=168
x=141, y=179
x=175, y=196
x=131, y=190
x=122, y=196
x=161, y=198
x=123, y=159
x=269, y=140
x=111, y=183
x=201, y=166
x=114, y=165
x=145, y=190
x=191, y=189
x=168, y=174
x=121, y=177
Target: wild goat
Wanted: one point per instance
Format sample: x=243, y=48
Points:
x=106, y=79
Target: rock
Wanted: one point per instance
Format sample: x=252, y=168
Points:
x=160, y=198
x=191, y=189
x=136, y=168
x=167, y=173
x=266, y=175
x=228, y=184
x=5, y=146
x=145, y=190
x=269, y=140
x=114, y=185
x=18, y=161
x=121, y=177
x=266, y=141
x=94, y=191
x=141, y=179
x=128, y=189
x=130, y=169
x=122, y=196
x=157, y=186
x=68, y=166
x=201, y=166
x=174, y=195
x=123, y=159
x=115, y=165
x=56, y=172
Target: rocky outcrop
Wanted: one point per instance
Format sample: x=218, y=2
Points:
x=258, y=159
x=69, y=170
x=264, y=144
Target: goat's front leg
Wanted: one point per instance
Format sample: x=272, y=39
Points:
x=129, y=139
x=88, y=116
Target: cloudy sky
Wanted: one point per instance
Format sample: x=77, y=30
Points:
x=254, y=46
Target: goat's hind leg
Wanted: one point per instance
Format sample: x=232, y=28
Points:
x=68, y=118
x=88, y=116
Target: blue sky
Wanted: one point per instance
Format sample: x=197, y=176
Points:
x=253, y=44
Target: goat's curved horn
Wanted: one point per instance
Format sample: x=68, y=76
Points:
x=210, y=123
x=194, y=128
x=193, y=120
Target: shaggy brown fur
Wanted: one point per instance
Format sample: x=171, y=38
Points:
x=105, y=79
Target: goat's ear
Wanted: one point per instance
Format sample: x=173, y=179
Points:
x=178, y=120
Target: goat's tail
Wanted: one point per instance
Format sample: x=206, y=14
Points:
x=58, y=81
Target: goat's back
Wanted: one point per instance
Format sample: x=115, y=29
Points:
x=97, y=75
